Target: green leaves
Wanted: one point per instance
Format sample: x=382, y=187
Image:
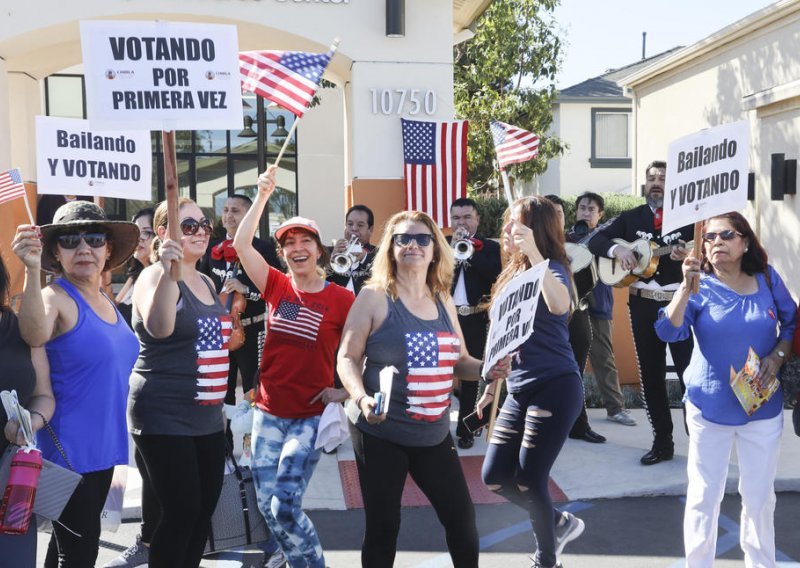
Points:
x=507, y=73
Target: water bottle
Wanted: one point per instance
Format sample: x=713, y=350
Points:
x=17, y=507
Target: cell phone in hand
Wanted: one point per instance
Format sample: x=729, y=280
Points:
x=378, y=404
x=473, y=423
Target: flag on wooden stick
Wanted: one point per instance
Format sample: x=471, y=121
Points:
x=435, y=157
x=512, y=144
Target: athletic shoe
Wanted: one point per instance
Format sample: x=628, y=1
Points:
x=622, y=417
x=277, y=560
x=537, y=564
x=135, y=556
x=570, y=529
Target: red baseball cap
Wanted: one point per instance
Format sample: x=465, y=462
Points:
x=297, y=223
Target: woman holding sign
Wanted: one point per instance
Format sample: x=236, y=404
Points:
x=742, y=315
x=545, y=393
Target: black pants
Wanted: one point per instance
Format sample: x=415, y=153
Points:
x=580, y=339
x=186, y=475
x=382, y=469
x=151, y=510
x=651, y=354
x=527, y=438
x=76, y=545
x=474, y=329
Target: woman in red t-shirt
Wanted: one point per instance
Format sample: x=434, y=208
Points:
x=306, y=315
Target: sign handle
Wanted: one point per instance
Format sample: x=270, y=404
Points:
x=696, y=251
x=171, y=178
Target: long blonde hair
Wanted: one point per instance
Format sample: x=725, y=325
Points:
x=440, y=270
x=160, y=220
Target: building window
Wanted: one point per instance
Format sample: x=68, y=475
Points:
x=611, y=138
x=212, y=164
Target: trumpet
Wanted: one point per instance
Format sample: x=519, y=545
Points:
x=462, y=245
x=342, y=262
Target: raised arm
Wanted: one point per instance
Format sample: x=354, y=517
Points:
x=38, y=313
x=253, y=263
x=156, y=294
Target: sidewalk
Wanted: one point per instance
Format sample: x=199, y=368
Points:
x=583, y=471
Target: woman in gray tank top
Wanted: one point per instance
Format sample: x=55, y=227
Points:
x=405, y=318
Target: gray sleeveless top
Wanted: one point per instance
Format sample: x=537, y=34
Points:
x=179, y=382
x=424, y=353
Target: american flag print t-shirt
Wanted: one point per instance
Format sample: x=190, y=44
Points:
x=213, y=335
x=431, y=357
x=296, y=319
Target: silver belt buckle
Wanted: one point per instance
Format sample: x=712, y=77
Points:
x=464, y=310
x=662, y=296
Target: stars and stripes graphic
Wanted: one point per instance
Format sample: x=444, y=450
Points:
x=513, y=145
x=287, y=78
x=296, y=319
x=435, y=157
x=430, y=358
x=213, y=334
x=11, y=186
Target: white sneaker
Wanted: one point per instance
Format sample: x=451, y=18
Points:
x=622, y=417
x=571, y=529
x=135, y=556
x=277, y=560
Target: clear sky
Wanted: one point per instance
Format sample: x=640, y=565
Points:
x=604, y=34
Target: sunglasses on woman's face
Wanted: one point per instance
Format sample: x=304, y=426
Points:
x=190, y=226
x=72, y=240
x=146, y=235
x=404, y=239
x=725, y=235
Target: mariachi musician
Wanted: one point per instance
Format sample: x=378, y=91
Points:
x=222, y=265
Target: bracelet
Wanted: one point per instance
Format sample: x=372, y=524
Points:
x=44, y=420
x=359, y=399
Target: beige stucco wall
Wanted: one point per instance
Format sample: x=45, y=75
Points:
x=712, y=89
x=572, y=174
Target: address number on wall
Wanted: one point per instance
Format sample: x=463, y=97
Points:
x=398, y=101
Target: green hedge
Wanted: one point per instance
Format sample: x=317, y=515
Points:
x=491, y=209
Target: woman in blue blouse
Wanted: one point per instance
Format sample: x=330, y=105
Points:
x=742, y=303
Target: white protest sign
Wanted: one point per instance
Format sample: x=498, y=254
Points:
x=161, y=75
x=512, y=314
x=73, y=159
x=706, y=175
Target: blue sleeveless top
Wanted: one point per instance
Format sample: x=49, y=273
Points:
x=89, y=369
x=424, y=352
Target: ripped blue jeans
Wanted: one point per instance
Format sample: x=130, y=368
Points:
x=527, y=438
x=283, y=461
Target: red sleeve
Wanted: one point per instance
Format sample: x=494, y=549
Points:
x=797, y=335
x=277, y=282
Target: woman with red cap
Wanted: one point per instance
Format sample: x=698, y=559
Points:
x=305, y=318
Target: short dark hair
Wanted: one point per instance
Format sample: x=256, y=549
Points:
x=658, y=164
x=243, y=197
x=555, y=199
x=144, y=212
x=5, y=286
x=591, y=196
x=364, y=209
x=465, y=202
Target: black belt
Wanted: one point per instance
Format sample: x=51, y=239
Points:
x=656, y=295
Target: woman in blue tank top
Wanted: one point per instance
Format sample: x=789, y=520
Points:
x=91, y=351
x=405, y=318
x=545, y=393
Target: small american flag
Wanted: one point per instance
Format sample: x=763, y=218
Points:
x=213, y=334
x=11, y=186
x=296, y=319
x=430, y=359
x=513, y=145
x=435, y=157
x=287, y=78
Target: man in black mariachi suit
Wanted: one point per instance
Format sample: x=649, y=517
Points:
x=472, y=284
x=646, y=298
x=359, y=222
x=221, y=264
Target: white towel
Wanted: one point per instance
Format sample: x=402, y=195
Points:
x=332, y=427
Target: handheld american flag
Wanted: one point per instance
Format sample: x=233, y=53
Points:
x=287, y=78
x=435, y=157
x=11, y=186
x=513, y=145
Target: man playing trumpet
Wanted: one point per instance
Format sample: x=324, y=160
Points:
x=351, y=256
x=472, y=284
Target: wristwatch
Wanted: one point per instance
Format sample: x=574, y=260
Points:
x=781, y=354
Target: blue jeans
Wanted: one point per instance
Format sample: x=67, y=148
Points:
x=283, y=461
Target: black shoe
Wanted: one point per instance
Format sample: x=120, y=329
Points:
x=466, y=442
x=657, y=455
x=589, y=436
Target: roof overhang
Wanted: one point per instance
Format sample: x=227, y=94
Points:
x=775, y=14
x=465, y=12
x=622, y=101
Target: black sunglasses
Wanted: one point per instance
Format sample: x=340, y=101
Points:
x=725, y=235
x=190, y=226
x=72, y=240
x=404, y=239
